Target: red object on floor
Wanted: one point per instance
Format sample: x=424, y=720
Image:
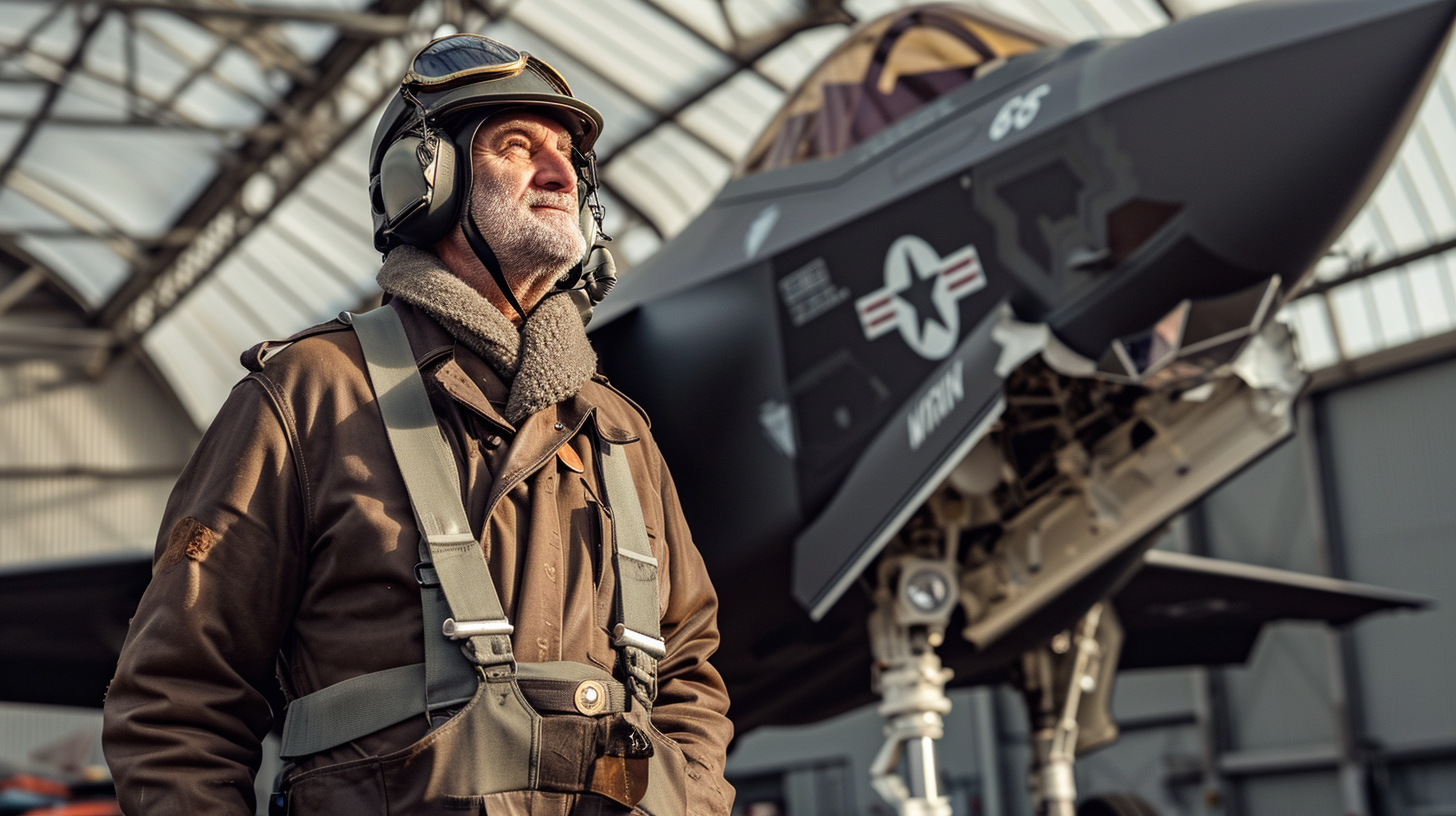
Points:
x=36, y=784
x=102, y=808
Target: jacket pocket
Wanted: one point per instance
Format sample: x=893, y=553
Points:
x=349, y=789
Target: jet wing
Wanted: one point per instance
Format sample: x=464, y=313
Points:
x=1183, y=610
x=62, y=626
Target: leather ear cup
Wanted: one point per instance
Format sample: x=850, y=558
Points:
x=417, y=191
x=588, y=227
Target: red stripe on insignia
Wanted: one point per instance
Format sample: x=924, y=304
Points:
x=870, y=307
x=881, y=319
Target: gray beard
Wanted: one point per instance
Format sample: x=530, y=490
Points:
x=527, y=247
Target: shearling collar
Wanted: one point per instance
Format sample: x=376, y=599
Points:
x=546, y=361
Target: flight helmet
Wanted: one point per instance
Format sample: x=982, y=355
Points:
x=420, y=168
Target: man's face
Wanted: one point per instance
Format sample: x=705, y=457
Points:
x=524, y=199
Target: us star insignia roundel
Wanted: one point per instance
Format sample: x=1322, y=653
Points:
x=921, y=295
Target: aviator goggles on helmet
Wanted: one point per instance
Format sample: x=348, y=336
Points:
x=446, y=61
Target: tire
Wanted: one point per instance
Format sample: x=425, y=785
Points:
x=1115, y=804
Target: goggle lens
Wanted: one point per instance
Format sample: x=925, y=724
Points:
x=462, y=55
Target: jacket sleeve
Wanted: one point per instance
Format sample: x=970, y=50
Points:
x=692, y=702
x=184, y=716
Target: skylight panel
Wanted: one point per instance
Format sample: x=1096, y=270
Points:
x=18, y=213
x=759, y=18
x=670, y=176
x=1393, y=214
x=9, y=135
x=732, y=117
x=788, y=64
x=20, y=17
x=191, y=373
x=20, y=100
x=1431, y=291
x=215, y=104
x=1351, y=309
x=269, y=293
x=138, y=179
x=90, y=101
x=308, y=41
x=634, y=46
x=58, y=37
x=90, y=266
x=1391, y=299
x=634, y=240
x=1312, y=333
x=866, y=10
x=705, y=17
x=1431, y=181
x=1124, y=18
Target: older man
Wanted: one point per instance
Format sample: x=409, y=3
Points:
x=498, y=611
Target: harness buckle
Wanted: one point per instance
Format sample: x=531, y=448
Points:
x=622, y=636
x=428, y=583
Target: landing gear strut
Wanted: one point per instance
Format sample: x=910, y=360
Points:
x=1067, y=685
x=912, y=606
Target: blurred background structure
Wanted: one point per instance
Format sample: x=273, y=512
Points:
x=180, y=179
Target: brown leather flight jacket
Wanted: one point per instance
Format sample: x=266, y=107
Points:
x=289, y=544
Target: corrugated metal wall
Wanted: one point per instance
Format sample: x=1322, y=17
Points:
x=86, y=465
x=1390, y=463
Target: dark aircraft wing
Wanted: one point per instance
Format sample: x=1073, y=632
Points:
x=1182, y=610
x=62, y=626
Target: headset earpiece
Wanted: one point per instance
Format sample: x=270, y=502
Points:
x=416, y=192
x=588, y=221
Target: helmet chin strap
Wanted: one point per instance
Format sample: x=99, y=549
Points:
x=487, y=258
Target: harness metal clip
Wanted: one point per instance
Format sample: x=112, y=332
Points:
x=461, y=630
x=622, y=636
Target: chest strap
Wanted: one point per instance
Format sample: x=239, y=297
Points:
x=460, y=602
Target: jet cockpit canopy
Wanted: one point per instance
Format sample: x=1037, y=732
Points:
x=884, y=72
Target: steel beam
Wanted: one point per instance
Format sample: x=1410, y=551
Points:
x=22, y=285
x=1360, y=272
x=1274, y=761
x=353, y=23
x=1345, y=687
x=320, y=115
x=88, y=30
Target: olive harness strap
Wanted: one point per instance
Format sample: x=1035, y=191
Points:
x=638, y=632
x=459, y=599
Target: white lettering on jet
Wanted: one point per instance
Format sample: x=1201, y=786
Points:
x=1018, y=112
x=936, y=404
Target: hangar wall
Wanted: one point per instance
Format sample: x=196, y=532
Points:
x=1317, y=723
x=86, y=464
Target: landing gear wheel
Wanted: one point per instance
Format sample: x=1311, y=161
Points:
x=1115, y=804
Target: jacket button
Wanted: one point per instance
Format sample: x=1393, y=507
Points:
x=493, y=441
x=560, y=427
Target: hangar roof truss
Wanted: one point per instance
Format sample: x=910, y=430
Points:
x=188, y=174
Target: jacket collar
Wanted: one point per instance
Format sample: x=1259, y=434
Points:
x=461, y=374
x=470, y=381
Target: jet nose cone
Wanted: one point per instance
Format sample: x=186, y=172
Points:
x=1266, y=125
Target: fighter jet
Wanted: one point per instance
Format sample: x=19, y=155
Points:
x=980, y=313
